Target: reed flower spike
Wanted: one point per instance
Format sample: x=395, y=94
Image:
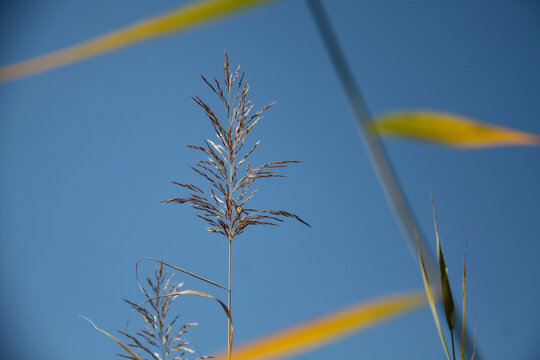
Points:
x=227, y=169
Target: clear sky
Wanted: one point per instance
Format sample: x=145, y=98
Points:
x=87, y=150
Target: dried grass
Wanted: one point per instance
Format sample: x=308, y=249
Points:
x=159, y=338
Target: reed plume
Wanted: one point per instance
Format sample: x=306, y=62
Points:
x=227, y=170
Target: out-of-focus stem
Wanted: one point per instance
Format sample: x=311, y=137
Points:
x=381, y=163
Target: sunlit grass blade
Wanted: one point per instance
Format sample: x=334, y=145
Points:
x=202, y=294
x=431, y=301
x=125, y=347
x=175, y=268
x=223, y=306
x=179, y=19
x=448, y=300
x=328, y=328
x=449, y=129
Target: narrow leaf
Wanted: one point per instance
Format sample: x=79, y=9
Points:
x=174, y=267
x=449, y=129
x=202, y=294
x=431, y=300
x=464, y=288
x=448, y=301
x=328, y=328
x=131, y=352
x=182, y=18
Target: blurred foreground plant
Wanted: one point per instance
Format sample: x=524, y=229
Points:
x=444, y=292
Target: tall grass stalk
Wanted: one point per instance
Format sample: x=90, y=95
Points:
x=228, y=172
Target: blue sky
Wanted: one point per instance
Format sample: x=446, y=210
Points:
x=87, y=151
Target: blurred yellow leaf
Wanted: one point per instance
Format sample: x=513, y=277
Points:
x=449, y=129
x=180, y=19
x=328, y=328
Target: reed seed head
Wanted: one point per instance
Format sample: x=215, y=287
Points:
x=226, y=167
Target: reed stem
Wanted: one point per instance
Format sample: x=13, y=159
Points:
x=229, y=332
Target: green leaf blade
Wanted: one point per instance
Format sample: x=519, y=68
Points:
x=431, y=301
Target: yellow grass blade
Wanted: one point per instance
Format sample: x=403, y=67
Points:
x=328, y=328
x=175, y=20
x=125, y=347
x=202, y=294
x=431, y=301
x=449, y=129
